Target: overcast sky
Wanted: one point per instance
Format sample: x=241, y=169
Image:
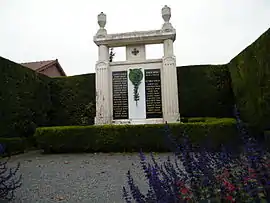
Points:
x=208, y=31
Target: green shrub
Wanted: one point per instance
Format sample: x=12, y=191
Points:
x=200, y=119
x=24, y=100
x=13, y=145
x=250, y=73
x=73, y=100
x=29, y=100
x=205, y=91
x=128, y=138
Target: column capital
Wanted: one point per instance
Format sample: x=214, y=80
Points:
x=169, y=61
x=102, y=65
x=169, y=58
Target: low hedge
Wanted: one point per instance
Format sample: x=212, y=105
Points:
x=198, y=119
x=13, y=145
x=129, y=138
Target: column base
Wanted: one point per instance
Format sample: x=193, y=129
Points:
x=138, y=121
x=102, y=121
x=172, y=118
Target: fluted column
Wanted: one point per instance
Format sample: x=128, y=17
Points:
x=169, y=74
x=103, y=104
x=103, y=99
x=170, y=90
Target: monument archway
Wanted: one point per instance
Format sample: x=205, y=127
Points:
x=138, y=90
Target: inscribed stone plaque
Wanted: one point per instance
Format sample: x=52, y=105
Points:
x=120, y=94
x=153, y=94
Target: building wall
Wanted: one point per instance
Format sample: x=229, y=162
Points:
x=51, y=72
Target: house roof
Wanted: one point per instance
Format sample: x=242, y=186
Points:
x=42, y=65
x=37, y=65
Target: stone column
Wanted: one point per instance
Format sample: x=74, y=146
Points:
x=103, y=102
x=169, y=75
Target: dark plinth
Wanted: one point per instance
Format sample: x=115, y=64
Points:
x=120, y=95
x=153, y=94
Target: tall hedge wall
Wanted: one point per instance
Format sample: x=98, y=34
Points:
x=205, y=91
x=250, y=73
x=24, y=100
x=73, y=100
x=28, y=99
x=207, y=84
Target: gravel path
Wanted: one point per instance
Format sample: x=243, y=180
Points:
x=84, y=178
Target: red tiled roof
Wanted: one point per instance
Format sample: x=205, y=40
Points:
x=42, y=65
x=38, y=64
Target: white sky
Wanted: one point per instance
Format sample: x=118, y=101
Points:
x=208, y=31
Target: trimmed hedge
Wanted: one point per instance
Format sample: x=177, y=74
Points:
x=24, y=100
x=73, y=100
x=250, y=73
x=199, y=119
x=208, y=84
x=29, y=100
x=129, y=138
x=205, y=91
x=13, y=145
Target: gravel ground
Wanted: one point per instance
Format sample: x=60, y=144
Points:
x=84, y=178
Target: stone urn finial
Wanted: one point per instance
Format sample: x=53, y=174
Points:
x=166, y=13
x=102, y=20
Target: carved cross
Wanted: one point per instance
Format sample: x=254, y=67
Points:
x=135, y=51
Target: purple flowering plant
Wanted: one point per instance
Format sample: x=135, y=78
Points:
x=204, y=176
x=9, y=181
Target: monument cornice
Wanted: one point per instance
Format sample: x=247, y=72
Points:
x=137, y=37
x=117, y=63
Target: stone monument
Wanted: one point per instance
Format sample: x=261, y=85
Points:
x=136, y=91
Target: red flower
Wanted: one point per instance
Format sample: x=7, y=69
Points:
x=230, y=198
x=184, y=191
x=224, y=174
x=229, y=186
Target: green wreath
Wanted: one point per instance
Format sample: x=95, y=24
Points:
x=136, y=76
